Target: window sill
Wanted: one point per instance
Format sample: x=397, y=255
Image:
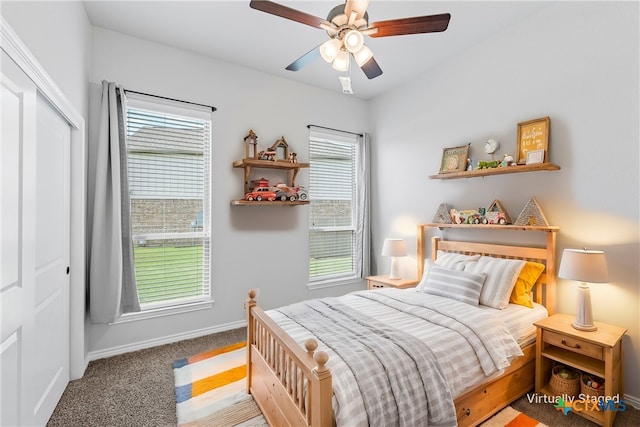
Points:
x=333, y=283
x=164, y=311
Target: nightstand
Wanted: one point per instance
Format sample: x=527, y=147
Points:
x=377, y=282
x=598, y=353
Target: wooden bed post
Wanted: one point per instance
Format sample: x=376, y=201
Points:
x=249, y=304
x=420, y=249
x=435, y=241
x=321, y=387
x=550, y=288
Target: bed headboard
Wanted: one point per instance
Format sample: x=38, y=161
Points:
x=544, y=292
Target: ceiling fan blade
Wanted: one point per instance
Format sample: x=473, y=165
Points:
x=287, y=12
x=417, y=25
x=371, y=69
x=305, y=59
x=360, y=6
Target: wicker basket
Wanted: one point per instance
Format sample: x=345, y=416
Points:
x=564, y=386
x=585, y=385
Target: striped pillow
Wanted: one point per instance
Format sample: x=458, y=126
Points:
x=501, y=278
x=455, y=284
x=455, y=261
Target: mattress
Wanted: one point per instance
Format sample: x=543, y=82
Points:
x=519, y=320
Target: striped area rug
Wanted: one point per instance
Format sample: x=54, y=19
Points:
x=509, y=417
x=210, y=390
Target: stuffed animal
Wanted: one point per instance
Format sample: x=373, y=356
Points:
x=507, y=161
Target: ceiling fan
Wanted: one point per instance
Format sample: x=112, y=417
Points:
x=346, y=25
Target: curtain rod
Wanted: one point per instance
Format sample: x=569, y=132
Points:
x=172, y=99
x=337, y=130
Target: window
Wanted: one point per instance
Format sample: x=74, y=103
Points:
x=168, y=151
x=336, y=193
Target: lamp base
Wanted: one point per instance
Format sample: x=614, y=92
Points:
x=584, y=328
x=395, y=269
x=584, y=316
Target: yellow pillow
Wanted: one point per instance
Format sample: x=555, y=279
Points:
x=524, y=283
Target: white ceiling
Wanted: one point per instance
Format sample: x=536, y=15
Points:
x=233, y=32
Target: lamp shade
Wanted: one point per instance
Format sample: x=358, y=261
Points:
x=341, y=63
x=584, y=265
x=330, y=49
x=362, y=56
x=353, y=41
x=394, y=248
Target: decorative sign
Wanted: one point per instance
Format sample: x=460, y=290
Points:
x=533, y=135
x=454, y=159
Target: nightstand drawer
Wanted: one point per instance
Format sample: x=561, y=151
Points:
x=377, y=285
x=576, y=345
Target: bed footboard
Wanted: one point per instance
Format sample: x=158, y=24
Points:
x=291, y=386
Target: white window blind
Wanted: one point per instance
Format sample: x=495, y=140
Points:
x=333, y=208
x=169, y=148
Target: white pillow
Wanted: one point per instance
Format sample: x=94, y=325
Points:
x=501, y=278
x=455, y=261
x=459, y=285
x=428, y=262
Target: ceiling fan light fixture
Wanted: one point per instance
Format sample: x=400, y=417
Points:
x=346, y=26
x=330, y=49
x=353, y=41
x=341, y=63
x=362, y=56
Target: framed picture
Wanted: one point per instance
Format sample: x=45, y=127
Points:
x=535, y=156
x=454, y=159
x=533, y=135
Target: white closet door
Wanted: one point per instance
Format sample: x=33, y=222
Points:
x=18, y=108
x=34, y=291
x=52, y=223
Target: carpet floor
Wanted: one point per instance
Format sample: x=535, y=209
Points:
x=138, y=390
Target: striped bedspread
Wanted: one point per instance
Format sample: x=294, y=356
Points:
x=398, y=357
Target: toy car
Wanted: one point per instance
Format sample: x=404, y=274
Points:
x=495, y=218
x=261, y=193
x=284, y=193
x=303, y=194
x=463, y=217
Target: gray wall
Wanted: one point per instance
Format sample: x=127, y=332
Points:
x=263, y=247
x=576, y=62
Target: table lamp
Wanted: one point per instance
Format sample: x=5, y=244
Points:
x=585, y=266
x=394, y=248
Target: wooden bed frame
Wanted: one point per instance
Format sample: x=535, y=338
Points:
x=293, y=387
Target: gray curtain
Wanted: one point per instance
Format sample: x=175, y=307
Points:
x=112, y=287
x=363, y=230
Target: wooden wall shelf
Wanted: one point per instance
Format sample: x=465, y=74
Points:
x=292, y=171
x=497, y=171
x=269, y=164
x=268, y=203
x=549, y=228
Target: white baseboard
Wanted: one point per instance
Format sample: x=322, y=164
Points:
x=114, y=351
